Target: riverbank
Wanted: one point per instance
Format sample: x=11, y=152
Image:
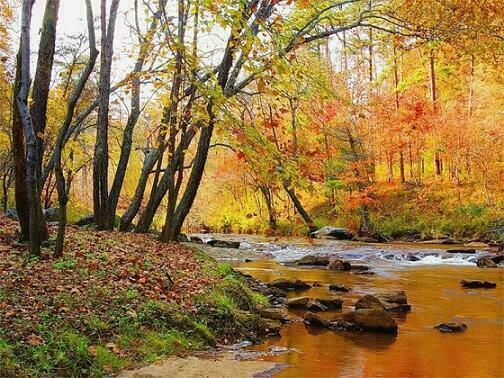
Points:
x=115, y=301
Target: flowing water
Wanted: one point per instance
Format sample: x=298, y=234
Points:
x=432, y=286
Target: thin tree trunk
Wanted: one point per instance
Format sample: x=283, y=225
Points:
x=127, y=142
x=401, y=166
x=42, y=82
x=19, y=158
x=61, y=186
x=268, y=198
x=101, y=154
x=299, y=207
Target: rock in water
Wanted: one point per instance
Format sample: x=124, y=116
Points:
x=451, y=327
x=284, y=284
x=486, y=262
x=339, y=265
x=336, y=287
x=372, y=319
x=475, y=284
x=313, y=260
x=299, y=302
x=270, y=327
x=331, y=303
x=461, y=250
x=315, y=320
x=224, y=244
x=275, y=314
x=333, y=233
x=195, y=239
x=369, y=302
x=315, y=306
x=398, y=297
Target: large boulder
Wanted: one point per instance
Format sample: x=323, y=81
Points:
x=369, y=302
x=372, y=320
x=12, y=213
x=475, y=284
x=338, y=264
x=313, y=260
x=224, y=244
x=51, y=214
x=337, y=233
x=315, y=306
x=86, y=220
x=451, y=327
x=486, y=262
x=341, y=288
x=498, y=258
x=285, y=284
x=315, y=320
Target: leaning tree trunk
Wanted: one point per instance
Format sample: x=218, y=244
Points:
x=61, y=185
x=299, y=207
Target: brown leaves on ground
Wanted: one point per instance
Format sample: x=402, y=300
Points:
x=100, y=271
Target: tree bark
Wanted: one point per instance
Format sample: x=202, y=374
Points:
x=299, y=207
x=19, y=158
x=30, y=139
x=42, y=82
x=101, y=154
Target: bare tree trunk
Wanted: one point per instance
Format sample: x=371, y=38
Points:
x=101, y=155
x=401, y=166
x=6, y=182
x=122, y=165
x=42, y=82
x=30, y=139
x=268, y=198
x=61, y=186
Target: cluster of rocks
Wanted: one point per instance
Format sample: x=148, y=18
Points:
x=372, y=313
x=490, y=261
x=333, y=264
x=340, y=233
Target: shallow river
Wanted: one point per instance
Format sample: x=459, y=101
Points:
x=432, y=287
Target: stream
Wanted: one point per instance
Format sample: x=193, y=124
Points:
x=429, y=275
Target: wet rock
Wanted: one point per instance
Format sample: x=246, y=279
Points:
x=314, y=306
x=315, y=320
x=338, y=264
x=372, y=320
x=461, y=250
x=497, y=259
x=316, y=284
x=475, y=284
x=224, y=244
x=86, y=220
x=275, y=314
x=12, y=213
x=365, y=272
x=369, y=302
x=270, y=327
x=285, y=284
x=398, y=297
x=341, y=288
x=411, y=257
x=298, y=302
x=275, y=292
x=313, y=260
x=451, y=327
x=332, y=233
x=196, y=240
x=359, y=267
x=331, y=303
x=476, y=244
x=486, y=262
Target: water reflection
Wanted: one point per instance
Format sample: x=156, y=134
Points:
x=418, y=350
